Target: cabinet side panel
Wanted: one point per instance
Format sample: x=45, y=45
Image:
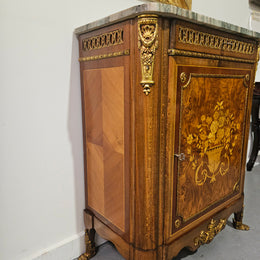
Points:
x=104, y=106
x=93, y=113
x=113, y=136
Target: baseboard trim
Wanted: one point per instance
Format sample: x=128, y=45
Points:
x=67, y=249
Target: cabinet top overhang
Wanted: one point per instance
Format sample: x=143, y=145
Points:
x=167, y=11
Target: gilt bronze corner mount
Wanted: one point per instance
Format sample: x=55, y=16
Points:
x=147, y=44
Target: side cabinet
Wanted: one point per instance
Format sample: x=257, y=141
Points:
x=166, y=108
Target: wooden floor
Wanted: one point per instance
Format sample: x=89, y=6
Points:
x=229, y=244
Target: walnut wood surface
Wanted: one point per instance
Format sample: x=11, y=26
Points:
x=212, y=130
x=149, y=204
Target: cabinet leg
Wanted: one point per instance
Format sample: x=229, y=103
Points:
x=237, y=221
x=90, y=245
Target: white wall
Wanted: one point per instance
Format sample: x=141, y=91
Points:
x=254, y=24
x=41, y=158
x=232, y=11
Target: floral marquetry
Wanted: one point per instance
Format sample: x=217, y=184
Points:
x=214, y=137
x=211, y=137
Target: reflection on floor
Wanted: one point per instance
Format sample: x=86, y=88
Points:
x=229, y=244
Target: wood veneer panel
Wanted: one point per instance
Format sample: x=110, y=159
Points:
x=212, y=119
x=95, y=177
x=95, y=165
x=113, y=136
x=104, y=106
x=93, y=106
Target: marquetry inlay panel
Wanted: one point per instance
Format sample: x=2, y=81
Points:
x=211, y=136
x=105, y=143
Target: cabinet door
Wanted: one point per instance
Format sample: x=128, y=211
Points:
x=209, y=139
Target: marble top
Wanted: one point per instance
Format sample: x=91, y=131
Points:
x=166, y=11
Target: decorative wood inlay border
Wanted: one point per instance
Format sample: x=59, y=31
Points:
x=103, y=40
x=105, y=56
x=194, y=37
x=175, y=52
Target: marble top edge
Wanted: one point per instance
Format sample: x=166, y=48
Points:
x=167, y=11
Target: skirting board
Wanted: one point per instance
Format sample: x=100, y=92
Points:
x=68, y=249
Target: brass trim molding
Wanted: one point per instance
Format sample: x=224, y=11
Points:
x=147, y=44
x=189, y=36
x=175, y=52
x=103, y=40
x=236, y=186
x=206, y=237
x=184, y=77
x=177, y=223
x=105, y=56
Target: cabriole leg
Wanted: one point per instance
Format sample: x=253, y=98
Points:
x=237, y=221
x=90, y=245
